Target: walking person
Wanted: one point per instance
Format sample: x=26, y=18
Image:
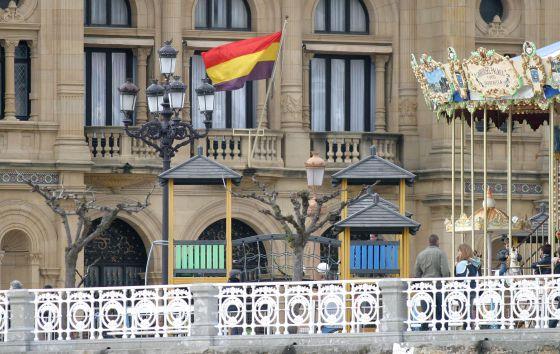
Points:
x=432, y=263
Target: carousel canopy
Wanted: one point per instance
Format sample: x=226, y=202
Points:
x=526, y=84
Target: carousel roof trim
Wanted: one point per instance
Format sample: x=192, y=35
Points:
x=200, y=170
x=378, y=218
x=372, y=169
x=527, y=84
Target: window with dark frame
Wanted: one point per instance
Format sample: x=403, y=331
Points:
x=107, y=13
x=232, y=15
x=341, y=16
x=232, y=109
x=106, y=70
x=22, y=81
x=342, y=93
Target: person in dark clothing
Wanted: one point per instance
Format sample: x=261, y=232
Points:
x=232, y=309
x=503, y=256
x=543, y=265
x=468, y=265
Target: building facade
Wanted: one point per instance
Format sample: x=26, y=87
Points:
x=343, y=83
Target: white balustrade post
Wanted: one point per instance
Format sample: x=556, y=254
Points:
x=22, y=315
x=394, y=306
x=205, y=310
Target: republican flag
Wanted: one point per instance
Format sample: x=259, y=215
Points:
x=229, y=66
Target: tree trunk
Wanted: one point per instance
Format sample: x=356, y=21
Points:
x=70, y=261
x=298, y=261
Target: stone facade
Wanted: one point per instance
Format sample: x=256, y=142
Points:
x=51, y=142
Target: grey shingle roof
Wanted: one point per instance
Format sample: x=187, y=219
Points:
x=371, y=169
x=378, y=218
x=367, y=200
x=200, y=170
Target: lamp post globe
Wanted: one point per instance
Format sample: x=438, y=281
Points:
x=205, y=94
x=167, y=59
x=155, y=93
x=128, y=93
x=176, y=93
x=315, y=170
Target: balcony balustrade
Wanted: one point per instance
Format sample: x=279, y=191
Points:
x=340, y=149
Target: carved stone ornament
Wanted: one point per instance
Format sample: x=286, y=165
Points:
x=11, y=13
x=496, y=29
x=290, y=103
x=408, y=106
x=491, y=74
x=533, y=68
x=433, y=80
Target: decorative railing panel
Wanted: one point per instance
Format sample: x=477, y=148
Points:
x=483, y=303
x=299, y=307
x=233, y=149
x=4, y=316
x=125, y=312
x=344, y=148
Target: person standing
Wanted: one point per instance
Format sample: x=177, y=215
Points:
x=468, y=266
x=432, y=263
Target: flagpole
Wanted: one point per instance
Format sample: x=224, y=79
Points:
x=268, y=89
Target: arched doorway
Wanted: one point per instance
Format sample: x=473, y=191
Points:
x=247, y=256
x=15, y=262
x=115, y=258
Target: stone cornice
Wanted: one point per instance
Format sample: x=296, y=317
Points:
x=6, y=125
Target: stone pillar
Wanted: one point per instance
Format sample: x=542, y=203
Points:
x=171, y=28
x=306, y=109
x=261, y=96
x=205, y=310
x=296, y=141
x=22, y=319
x=34, y=261
x=141, y=73
x=394, y=307
x=407, y=82
x=187, y=54
x=380, y=118
x=35, y=79
x=10, y=93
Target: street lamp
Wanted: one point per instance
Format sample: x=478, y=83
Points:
x=165, y=102
x=315, y=170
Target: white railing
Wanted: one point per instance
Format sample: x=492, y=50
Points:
x=4, y=316
x=344, y=148
x=125, y=312
x=483, y=303
x=299, y=307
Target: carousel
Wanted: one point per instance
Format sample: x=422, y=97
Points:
x=490, y=88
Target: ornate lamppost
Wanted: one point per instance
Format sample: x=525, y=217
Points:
x=165, y=132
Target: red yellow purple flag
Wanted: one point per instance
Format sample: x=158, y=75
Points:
x=229, y=66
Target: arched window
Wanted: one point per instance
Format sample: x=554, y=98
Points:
x=223, y=15
x=22, y=80
x=491, y=8
x=341, y=16
x=4, y=3
x=107, y=13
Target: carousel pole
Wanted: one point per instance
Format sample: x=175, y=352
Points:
x=509, y=190
x=453, y=186
x=484, y=192
x=462, y=157
x=472, y=181
x=551, y=234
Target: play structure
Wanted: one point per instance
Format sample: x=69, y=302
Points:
x=504, y=92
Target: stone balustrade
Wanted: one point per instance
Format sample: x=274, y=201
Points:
x=340, y=149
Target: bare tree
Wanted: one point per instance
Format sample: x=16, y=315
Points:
x=81, y=205
x=305, y=218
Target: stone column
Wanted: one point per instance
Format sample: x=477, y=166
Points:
x=394, y=308
x=22, y=320
x=35, y=79
x=205, y=310
x=261, y=96
x=10, y=90
x=187, y=54
x=171, y=28
x=34, y=260
x=306, y=109
x=141, y=73
x=407, y=82
x=380, y=118
x=296, y=141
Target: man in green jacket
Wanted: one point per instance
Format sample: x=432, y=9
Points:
x=432, y=263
